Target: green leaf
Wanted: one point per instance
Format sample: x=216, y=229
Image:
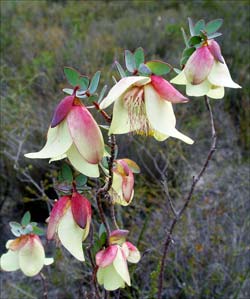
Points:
x=94, y=82
x=72, y=76
x=38, y=231
x=213, y=26
x=184, y=60
x=144, y=70
x=188, y=52
x=214, y=35
x=67, y=173
x=102, y=93
x=68, y=91
x=83, y=82
x=130, y=61
x=102, y=234
x=120, y=69
x=194, y=40
x=105, y=163
x=26, y=219
x=191, y=26
x=159, y=67
x=139, y=56
x=81, y=180
x=200, y=25
x=16, y=228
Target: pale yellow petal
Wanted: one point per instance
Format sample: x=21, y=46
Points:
x=9, y=261
x=175, y=133
x=180, y=79
x=120, y=87
x=58, y=158
x=48, y=261
x=216, y=93
x=81, y=164
x=100, y=275
x=70, y=235
x=120, y=265
x=120, y=122
x=199, y=89
x=58, y=142
x=220, y=76
x=31, y=257
x=111, y=279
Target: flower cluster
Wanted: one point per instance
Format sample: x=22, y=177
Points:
x=143, y=105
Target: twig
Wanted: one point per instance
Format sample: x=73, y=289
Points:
x=165, y=187
x=44, y=284
x=28, y=295
x=113, y=217
x=187, y=199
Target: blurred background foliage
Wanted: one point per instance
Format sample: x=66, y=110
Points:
x=210, y=254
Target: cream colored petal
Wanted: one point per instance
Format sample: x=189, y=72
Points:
x=9, y=261
x=220, y=76
x=216, y=93
x=161, y=115
x=117, y=183
x=120, y=87
x=160, y=112
x=70, y=235
x=81, y=164
x=120, y=122
x=112, y=280
x=100, y=275
x=58, y=158
x=31, y=257
x=48, y=261
x=120, y=265
x=198, y=90
x=159, y=136
x=180, y=79
x=58, y=142
x=9, y=242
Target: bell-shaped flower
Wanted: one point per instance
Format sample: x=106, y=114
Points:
x=143, y=105
x=132, y=253
x=25, y=253
x=70, y=221
x=73, y=134
x=122, y=190
x=206, y=73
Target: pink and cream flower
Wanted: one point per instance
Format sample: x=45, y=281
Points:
x=69, y=221
x=143, y=105
x=112, y=270
x=25, y=253
x=73, y=134
x=122, y=190
x=206, y=72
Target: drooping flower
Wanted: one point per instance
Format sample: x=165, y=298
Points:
x=25, y=253
x=112, y=265
x=122, y=190
x=73, y=134
x=70, y=220
x=143, y=106
x=206, y=72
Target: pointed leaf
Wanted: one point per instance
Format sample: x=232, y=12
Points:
x=94, y=82
x=144, y=70
x=139, y=56
x=130, y=61
x=191, y=26
x=81, y=209
x=214, y=35
x=159, y=67
x=68, y=91
x=188, y=52
x=38, y=231
x=83, y=82
x=26, y=219
x=102, y=93
x=66, y=173
x=200, y=25
x=81, y=180
x=120, y=69
x=72, y=76
x=194, y=40
x=213, y=26
x=102, y=230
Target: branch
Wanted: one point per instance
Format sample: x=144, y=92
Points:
x=187, y=199
x=44, y=284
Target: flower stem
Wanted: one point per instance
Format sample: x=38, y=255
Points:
x=187, y=199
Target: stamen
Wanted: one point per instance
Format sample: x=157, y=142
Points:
x=135, y=103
